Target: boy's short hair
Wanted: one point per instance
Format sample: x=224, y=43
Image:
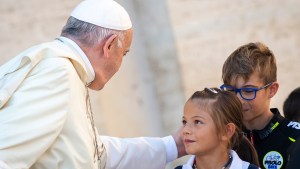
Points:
x=250, y=58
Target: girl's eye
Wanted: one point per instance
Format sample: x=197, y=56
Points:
x=198, y=122
x=184, y=122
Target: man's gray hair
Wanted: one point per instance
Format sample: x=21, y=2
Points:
x=88, y=34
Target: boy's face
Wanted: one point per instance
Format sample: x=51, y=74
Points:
x=258, y=107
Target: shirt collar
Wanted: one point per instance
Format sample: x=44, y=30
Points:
x=190, y=162
x=78, y=50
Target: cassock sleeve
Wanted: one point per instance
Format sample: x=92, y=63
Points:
x=142, y=152
x=3, y=165
x=35, y=114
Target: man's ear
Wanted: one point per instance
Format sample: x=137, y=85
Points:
x=108, y=44
x=273, y=89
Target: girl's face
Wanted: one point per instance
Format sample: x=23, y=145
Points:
x=199, y=132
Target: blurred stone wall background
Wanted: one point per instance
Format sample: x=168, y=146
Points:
x=179, y=46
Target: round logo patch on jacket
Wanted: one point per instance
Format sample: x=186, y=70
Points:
x=273, y=160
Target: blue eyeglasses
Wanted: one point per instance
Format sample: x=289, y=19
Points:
x=247, y=93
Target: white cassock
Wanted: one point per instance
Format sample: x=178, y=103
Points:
x=44, y=122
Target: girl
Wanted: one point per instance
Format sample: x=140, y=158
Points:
x=212, y=125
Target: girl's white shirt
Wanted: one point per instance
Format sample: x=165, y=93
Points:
x=236, y=163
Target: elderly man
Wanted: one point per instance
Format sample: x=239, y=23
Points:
x=46, y=119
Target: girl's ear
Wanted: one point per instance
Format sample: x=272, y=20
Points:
x=229, y=131
x=108, y=45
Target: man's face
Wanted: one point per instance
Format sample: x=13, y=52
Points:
x=258, y=107
x=117, y=53
x=110, y=62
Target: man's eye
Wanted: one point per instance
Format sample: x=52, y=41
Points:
x=125, y=53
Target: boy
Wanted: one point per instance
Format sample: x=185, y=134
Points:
x=250, y=71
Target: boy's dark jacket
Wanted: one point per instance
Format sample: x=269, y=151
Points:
x=272, y=142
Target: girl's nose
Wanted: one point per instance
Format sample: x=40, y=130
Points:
x=187, y=129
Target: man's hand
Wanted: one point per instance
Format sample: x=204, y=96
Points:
x=179, y=142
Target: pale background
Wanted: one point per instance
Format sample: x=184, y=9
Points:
x=179, y=46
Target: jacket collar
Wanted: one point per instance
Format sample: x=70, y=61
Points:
x=276, y=120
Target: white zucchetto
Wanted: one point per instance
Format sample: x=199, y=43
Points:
x=105, y=13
